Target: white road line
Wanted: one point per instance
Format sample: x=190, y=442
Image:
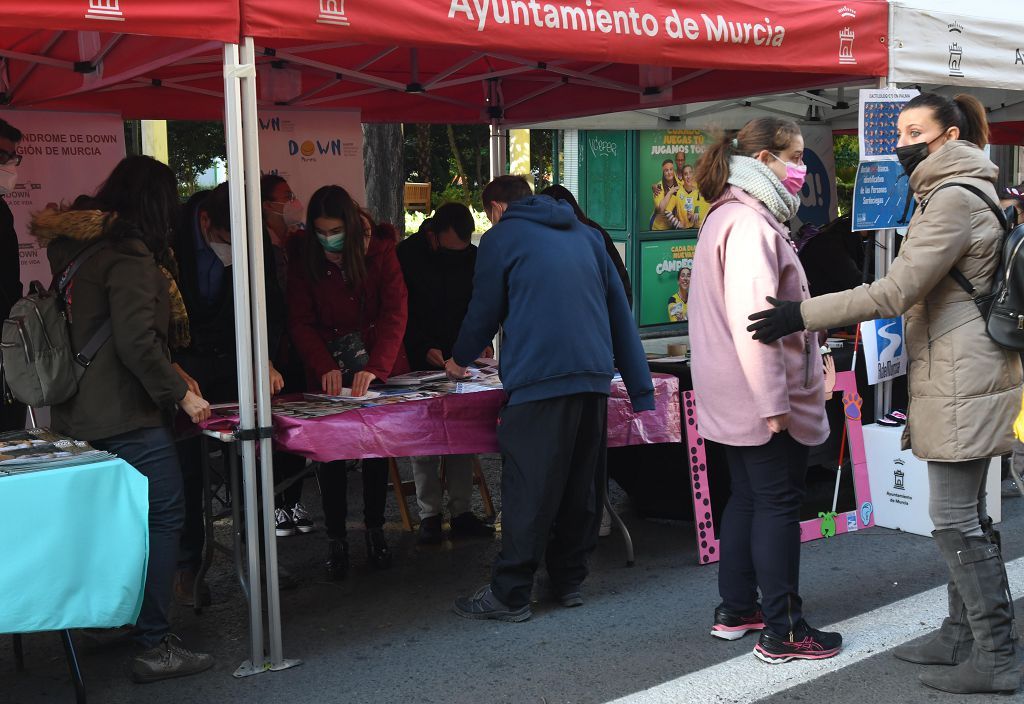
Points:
x=745, y=679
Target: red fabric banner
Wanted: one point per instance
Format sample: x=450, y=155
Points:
x=192, y=19
x=793, y=35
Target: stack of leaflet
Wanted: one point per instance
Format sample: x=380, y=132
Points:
x=37, y=449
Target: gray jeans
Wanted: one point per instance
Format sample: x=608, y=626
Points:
x=958, y=495
x=458, y=471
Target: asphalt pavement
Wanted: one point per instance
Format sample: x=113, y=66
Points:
x=642, y=635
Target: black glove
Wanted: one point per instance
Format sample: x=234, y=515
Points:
x=773, y=323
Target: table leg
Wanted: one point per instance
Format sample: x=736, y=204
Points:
x=197, y=604
x=236, y=517
x=76, y=672
x=630, y=557
x=396, y=484
x=19, y=653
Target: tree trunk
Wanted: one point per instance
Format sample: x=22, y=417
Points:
x=384, y=170
x=423, y=151
x=479, y=152
x=460, y=169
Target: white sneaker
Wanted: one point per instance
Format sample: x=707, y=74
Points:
x=606, y=524
x=300, y=517
x=285, y=526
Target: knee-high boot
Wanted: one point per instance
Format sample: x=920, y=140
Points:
x=976, y=567
x=949, y=645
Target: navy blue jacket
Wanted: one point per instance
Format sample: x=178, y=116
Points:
x=546, y=278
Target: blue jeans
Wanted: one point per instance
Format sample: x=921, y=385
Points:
x=152, y=452
x=760, y=543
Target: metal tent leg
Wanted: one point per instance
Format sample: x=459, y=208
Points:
x=76, y=672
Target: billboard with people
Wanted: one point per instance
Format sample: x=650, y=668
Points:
x=668, y=196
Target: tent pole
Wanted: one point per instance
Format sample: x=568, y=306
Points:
x=883, y=259
x=240, y=284
x=261, y=351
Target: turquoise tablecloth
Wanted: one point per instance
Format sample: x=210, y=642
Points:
x=75, y=546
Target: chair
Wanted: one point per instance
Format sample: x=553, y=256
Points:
x=417, y=197
x=403, y=489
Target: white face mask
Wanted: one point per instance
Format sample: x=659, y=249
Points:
x=8, y=178
x=223, y=252
x=294, y=213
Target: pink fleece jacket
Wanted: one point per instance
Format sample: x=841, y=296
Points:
x=744, y=255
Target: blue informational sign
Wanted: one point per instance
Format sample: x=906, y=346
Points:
x=880, y=196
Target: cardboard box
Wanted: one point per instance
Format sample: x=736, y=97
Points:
x=899, y=483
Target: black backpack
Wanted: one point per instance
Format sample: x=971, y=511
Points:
x=1003, y=307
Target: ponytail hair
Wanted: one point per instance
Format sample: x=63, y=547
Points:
x=975, y=127
x=963, y=111
x=772, y=133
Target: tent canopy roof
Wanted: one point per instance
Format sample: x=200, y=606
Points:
x=439, y=62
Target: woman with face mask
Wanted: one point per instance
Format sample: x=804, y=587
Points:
x=347, y=312
x=964, y=389
x=765, y=404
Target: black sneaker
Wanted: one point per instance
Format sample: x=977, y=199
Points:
x=430, y=531
x=802, y=643
x=467, y=525
x=166, y=660
x=484, y=605
x=730, y=625
x=300, y=517
x=285, y=526
x=569, y=599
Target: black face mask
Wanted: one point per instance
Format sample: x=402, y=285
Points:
x=912, y=155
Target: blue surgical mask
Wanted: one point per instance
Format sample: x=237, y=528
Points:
x=332, y=243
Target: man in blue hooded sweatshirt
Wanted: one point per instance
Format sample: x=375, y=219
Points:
x=546, y=279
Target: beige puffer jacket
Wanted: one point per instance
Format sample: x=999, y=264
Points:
x=965, y=390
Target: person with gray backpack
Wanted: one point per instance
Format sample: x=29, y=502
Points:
x=126, y=395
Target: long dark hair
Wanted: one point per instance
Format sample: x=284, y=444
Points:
x=144, y=193
x=772, y=133
x=335, y=202
x=963, y=111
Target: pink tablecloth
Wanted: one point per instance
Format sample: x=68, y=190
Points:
x=456, y=424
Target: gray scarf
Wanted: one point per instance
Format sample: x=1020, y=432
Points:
x=750, y=175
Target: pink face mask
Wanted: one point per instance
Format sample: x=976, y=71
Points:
x=795, y=176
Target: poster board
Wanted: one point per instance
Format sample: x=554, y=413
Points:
x=665, y=267
x=607, y=160
x=63, y=156
x=828, y=523
x=881, y=196
x=313, y=148
x=661, y=159
x=885, y=350
x=876, y=122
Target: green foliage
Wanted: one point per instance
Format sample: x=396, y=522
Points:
x=847, y=152
x=414, y=219
x=192, y=148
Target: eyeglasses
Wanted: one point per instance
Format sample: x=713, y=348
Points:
x=6, y=158
x=1015, y=192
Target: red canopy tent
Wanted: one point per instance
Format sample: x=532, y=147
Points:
x=408, y=61
x=521, y=60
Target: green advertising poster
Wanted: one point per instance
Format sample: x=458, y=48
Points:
x=665, y=268
x=668, y=196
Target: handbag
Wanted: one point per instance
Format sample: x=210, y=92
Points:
x=349, y=350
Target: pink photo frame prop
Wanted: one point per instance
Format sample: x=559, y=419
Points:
x=828, y=524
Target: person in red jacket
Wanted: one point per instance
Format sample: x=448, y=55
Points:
x=347, y=311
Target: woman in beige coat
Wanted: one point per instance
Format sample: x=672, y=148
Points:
x=964, y=389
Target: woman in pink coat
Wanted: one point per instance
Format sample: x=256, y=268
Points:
x=764, y=403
